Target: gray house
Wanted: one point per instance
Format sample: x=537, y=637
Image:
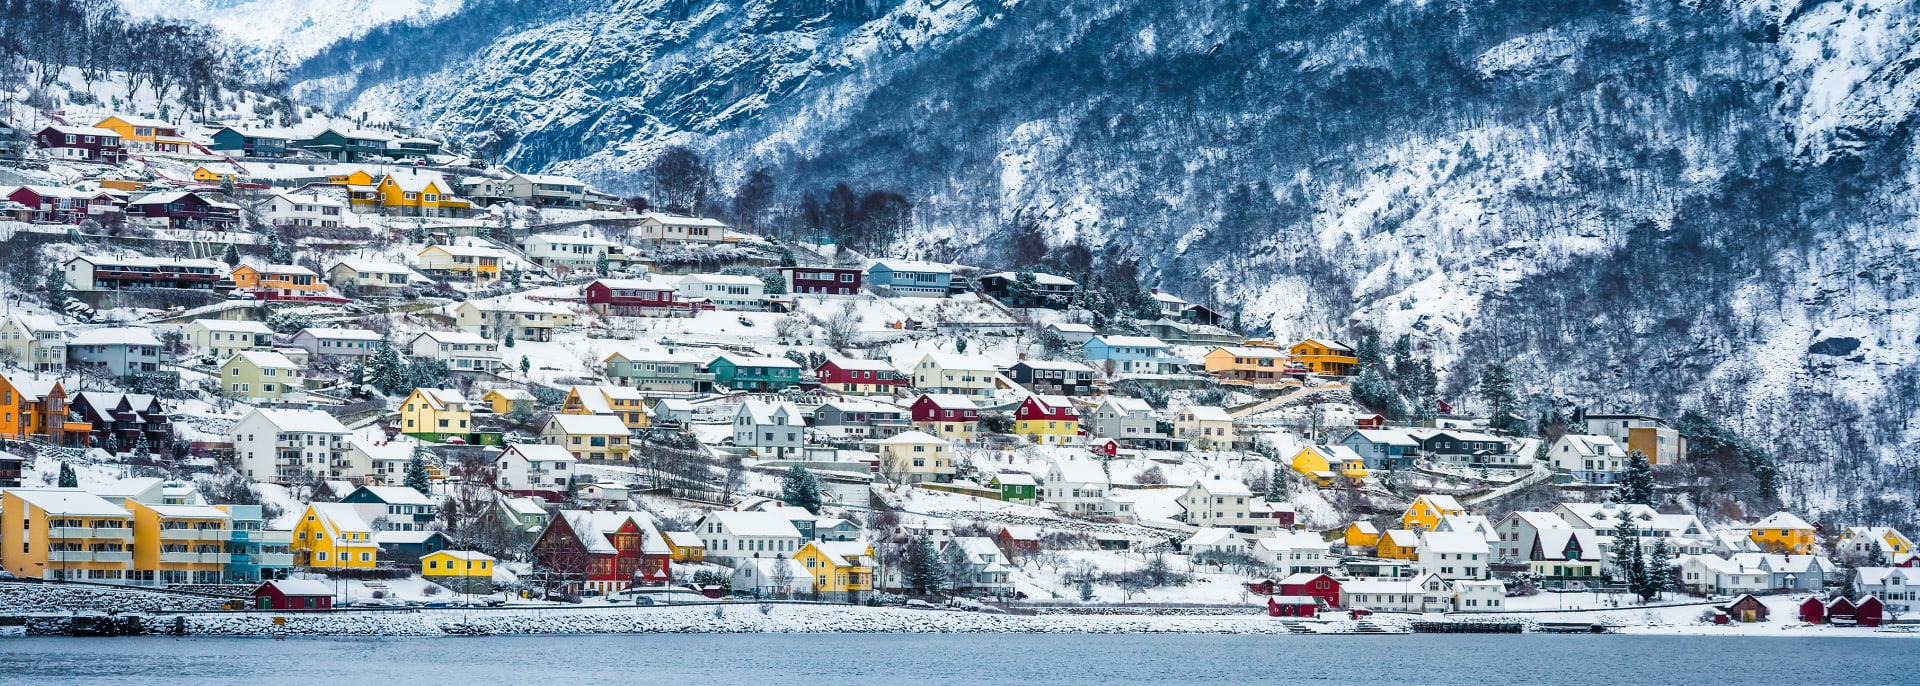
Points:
x=909, y=278
x=1382, y=448
x=659, y=370
x=1122, y=418
x=851, y=418
x=776, y=429
x=117, y=351
x=349, y=343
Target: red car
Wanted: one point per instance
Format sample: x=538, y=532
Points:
x=1359, y=612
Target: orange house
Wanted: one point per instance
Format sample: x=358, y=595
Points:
x=35, y=406
x=279, y=280
x=1326, y=358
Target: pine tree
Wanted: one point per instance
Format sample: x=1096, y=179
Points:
x=417, y=478
x=1496, y=390
x=56, y=288
x=1630, y=567
x=1659, y=570
x=600, y=264
x=526, y=366
x=509, y=341
x=231, y=256
x=923, y=561
x=1277, y=490
x=68, y=479
x=386, y=372
x=513, y=277
x=1636, y=483
x=960, y=346
x=278, y=252
x=141, y=451
x=1875, y=556
x=800, y=489
x=1086, y=590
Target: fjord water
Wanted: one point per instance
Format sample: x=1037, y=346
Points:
x=940, y=659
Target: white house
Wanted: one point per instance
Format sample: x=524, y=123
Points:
x=462, y=351
x=1215, y=501
x=1711, y=574
x=1898, y=588
x=733, y=536
x=947, y=373
x=1121, y=417
x=1593, y=459
x=668, y=228
x=1475, y=595
x=1205, y=427
x=375, y=277
x=771, y=577
x=1518, y=531
x=774, y=430
x=1453, y=554
x=1421, y=593
x=534, y=469
x=1076, y=486
x=1214, y=542
x=725, y=291
x=565, y=252
x=1294, y=552
x=916, y=457
x=307, y=208
x=1073, y=334
x=275, y=445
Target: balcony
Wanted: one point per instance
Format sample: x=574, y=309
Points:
x=274, y=559
x=124, y=534
x=215, y=558
x=273, y=537
x=179, y=535
x=180, y=558
x=113, y=556
x=69, y=556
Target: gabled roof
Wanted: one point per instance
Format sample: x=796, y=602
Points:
x=589, y=424
x=911, y=438
x=1040, y=278
x=762, y=413
x=301, y=421
x=1443, y=503
x=1387, y=437
x=339, y=517
x=1217, y=485
x=1294, y=540
x=538, y=452
x=1059, y=365
x=1127, y=405
x=232, y=326
x=912, y=266
x=340, y=334
x=298, y=587
x=40, y=323
x=1455, y=542
x=120, y=335
x=593, y=526
x=1208, y=413
x=1130, y=341
x=263, y=359
x=1072, y=470
x=758, y=361
x=950, y=401
x=855, y=364
x=371, y=266
x=955, y=362
x=1401, y=538
x=678, y=220
x=69, y=501
x=1783, y=520
x=765, y=524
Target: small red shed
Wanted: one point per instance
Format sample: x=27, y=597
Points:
x=1262, y=586
x=1842, y=611
x=1747, y=608
x=1320, y=586
x=1869, y=611
x=1292, y=606
x=1106, y=447
x=1813, y=610
x=293, y=594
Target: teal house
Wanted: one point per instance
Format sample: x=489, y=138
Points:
x=763, y=374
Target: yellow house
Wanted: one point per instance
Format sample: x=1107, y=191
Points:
x=502, y=399
x=435, y=414
x=259, y=375
x=587, y=437
x=456, y=563
x=1782, y=532
x=1858, y=539
x=205, y=175
x=1398, y=544
x=1425, y=512
x=1324, y=357
x=1049, y=419
x=65, y=533
x=623, y=402
x=281, y=280
x=1361, y=535
x=179, y=544
x=144, y=134
x=362, y=195
x=332, y=535
x=1247, y=364
x=840, y=569
x=1325, y=463
x=687, y=546
x=478, y=263
x=415, y=193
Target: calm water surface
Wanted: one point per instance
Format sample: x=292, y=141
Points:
x=932, y=659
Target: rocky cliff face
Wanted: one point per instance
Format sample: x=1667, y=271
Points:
x=1642, y=205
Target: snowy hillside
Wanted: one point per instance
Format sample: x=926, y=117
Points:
x=1645, y=207
x=297, y=27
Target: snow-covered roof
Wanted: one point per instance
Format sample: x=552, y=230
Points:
x=1214, y=537
x=37, y=322
x=950, y=401
x=568, y=239
x=1443, y=503
x=69, y=501
x=1070, y=327
x=1294, y=540
x=760, y=524
x=761, y=413
x=403, y=537
x=150, y=262
x=286, y=269
x=1131, y=341
x=372, y=266
x=855, y=364
x=1072, y=470
x=911, y=438
x=593, y=527
x=233, y=326
x=722, y=279
x=1040, y=278
x=1454, y=542
x=462, y=338
x=301, y=421
x=1388, y=437
x=85, y=131
x=340, y=334
x=955, y=362
x=1208, y=413
x=1254, y=352
x=1056, y=365
x=912, y=266
x=759, y=361
x=589, y=424
x=300, y=587
x=468, y=555
x=397, y=495
x=464, y=251
x=1015, y=479
x=264, y=359
x=684, y=539
x=539, y=452
x=1218, y=485
x=1783, y=520
x=678, y=220
x=339, y=517
x=120, y=335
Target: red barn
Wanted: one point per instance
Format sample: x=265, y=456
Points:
x=1320, y=586
x=631, y=297
x=1869, y=611
x=859, y=376
x=823, y=280
x=1813, y=610
x=602, y=551
x=83, y=143
x=1292, y=606
x=298, y=594
x=1747, y=608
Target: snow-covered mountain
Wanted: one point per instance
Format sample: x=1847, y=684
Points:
x=1646, y=205
x=297, y=27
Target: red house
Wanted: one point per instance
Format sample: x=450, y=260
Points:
x=634, y=298
x=1105, y=446
x=296, y=594
x=1869, y=611
x=859, y=376
x=944, y=407
x=49, y=204
x=822, y=280
x=1019, y=539
x=1747, y=608
x=1041, y=408
x=1292, y=606
x=83, y=143
x=1319, y=586
x=603, y=552
x=1813, y=610
x=181, y=208
x=1372, y=421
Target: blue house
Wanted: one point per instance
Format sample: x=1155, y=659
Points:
x=1382, y=448
x=251, y=142
x=749, y=373
x=1132, y=354
x=256, y=553
x=909, y=278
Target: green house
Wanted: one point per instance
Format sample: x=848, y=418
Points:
x=743, y=373
x=345, y=146
x=1015, y=488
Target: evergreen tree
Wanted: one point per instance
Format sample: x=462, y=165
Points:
x=56, y=283
x=960, y=346
x=1636, y=483
x=278, y=251
x=923, y=573
x=1086, y=590
x=509, y=341
x=417, y=478
x=513, y=276
x=600, y=264
x=231, y=256
x=800, y=489
x=385, y=371
x=416, y=233
x=526, y=366
x=1630, y=567
x=68, y=479
x=1659, y=570
x=112, y=445
x=1875, y=556
x=1277, y=490
x=1496, y=390
x=141, y=451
